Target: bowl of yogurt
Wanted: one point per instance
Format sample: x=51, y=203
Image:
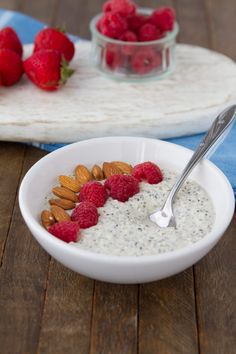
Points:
x=125, y=246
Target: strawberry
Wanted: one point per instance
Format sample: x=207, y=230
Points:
x=11, y=68
x=47, y=69
x=51, y=38
x=10, y=40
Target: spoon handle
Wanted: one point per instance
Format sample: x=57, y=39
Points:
x=218, y=128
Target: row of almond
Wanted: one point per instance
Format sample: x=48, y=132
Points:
x=69, y=187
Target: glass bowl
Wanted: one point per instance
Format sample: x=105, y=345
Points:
x=133, y=61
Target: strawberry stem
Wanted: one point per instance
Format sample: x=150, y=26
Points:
x=66, y=71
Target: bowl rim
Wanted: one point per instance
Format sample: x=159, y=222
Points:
x=72, y=250
x=170, y=35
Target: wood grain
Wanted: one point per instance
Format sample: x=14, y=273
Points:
x=216, y=296
x=167, y=322
x=76, y=15
x=9, y=179
x=10, y=4
x=67, y=313
x=193, y=22
x=114, y=326
x=44, y=10
x=23, y=280
x=222, y=25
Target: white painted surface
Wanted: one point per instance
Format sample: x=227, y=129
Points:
x=91, y=105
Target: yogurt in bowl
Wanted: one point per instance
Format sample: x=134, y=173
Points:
x=124, y=229
x=140, y=263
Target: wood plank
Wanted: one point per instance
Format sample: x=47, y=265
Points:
x=10, y=4
x=9, y=179
x=193, y=22
x=215, y=275
x=223, y=25
x=215, y=278
x=67, y=313
x=155, y=4
x=43, y=10
x=23, y=280
x=167, y=322
x=114, y=328
x=75, y=15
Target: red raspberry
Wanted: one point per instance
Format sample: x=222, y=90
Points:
x=148, y=171
x=85, y=214
x=93, y=192
x=122, y=187
x=135, y=22
x=123, y=7
x=65, y=230
x=128, y=36
x=107, y=6
x=113, y=56
x=99, y=24
x=149, y=32
x=163, y=18
x=113, y=25
x=145, y=60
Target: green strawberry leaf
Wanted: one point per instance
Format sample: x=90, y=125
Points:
x=66, y=71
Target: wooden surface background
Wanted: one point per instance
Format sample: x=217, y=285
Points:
x=46, y=308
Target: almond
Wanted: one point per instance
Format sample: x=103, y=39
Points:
x=59, y=213
x=65, y=193
x=70, y=183
x=97, y=173
x=110, y=169
x=123, y=166
x=47, y=218
x=82, y=174
x=63, y=203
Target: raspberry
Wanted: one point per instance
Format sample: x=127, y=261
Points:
x=93, y=192
x=113, y=56
x=113, y=25
x=135, y=22
x=147, y=171
x=149, y=32
x=65, y=230
x=107, y=6
x=163, y=18
x=122, y=187
x=128, y=36
x=85, y=214
x=99, y=24
x=145, y=60
x=123, y=7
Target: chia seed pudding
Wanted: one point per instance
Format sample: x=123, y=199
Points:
x=124, y=229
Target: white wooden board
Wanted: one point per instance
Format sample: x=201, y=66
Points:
x=91, y=105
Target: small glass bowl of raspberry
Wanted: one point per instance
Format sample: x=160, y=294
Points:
x=133, y=48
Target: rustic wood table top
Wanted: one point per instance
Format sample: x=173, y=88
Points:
x=46, y=308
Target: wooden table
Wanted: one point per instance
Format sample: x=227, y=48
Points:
x=46, y=308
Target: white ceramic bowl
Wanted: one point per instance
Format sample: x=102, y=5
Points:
x=43, y=176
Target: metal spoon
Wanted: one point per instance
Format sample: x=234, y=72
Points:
x=165, y=216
